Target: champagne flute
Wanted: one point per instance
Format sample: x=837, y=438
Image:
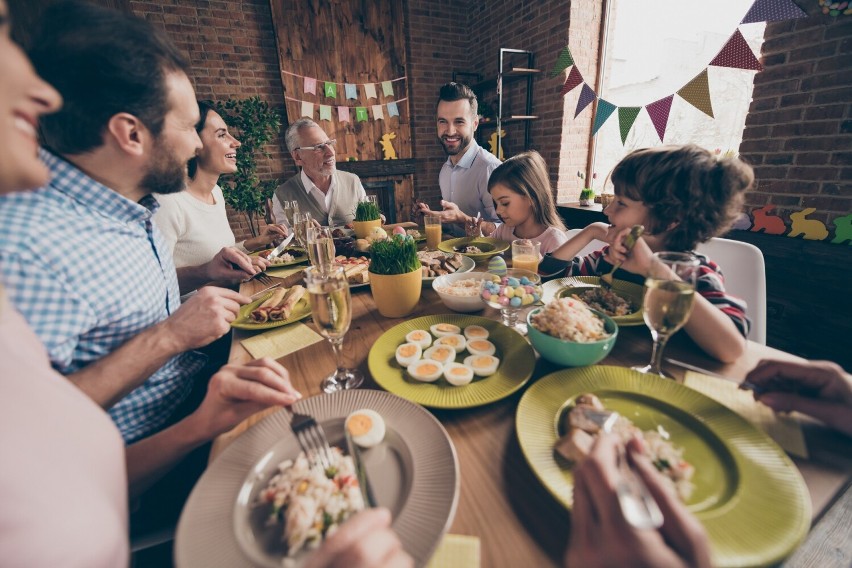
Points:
x=669, y=296
x=301, y=222
x=320, y=245
x=290, y=208
x=331, y=304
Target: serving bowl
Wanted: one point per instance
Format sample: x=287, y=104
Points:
x=487, y=245
x=471, y=303
x=572, y=353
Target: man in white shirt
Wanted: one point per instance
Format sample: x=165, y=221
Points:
x=464, y=176
x=329, y=195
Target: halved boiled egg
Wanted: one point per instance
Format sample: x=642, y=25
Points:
x=426, y=370
x=475, y=332
x=419, y=336
x=440, y=353
x=482, y=365
x=458, y=374
x=456, y=341
x=408, y=353
x=367, y=427
x=481, y=347
x=442, y=329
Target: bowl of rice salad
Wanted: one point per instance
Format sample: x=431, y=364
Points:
x=569, y=333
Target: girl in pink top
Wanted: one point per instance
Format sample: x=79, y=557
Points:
x=520, y=188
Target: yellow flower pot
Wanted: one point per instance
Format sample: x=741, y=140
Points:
x=396, y=295
x=363, y=228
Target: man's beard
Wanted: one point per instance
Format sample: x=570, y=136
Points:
x=166, y=174
x=463, y=144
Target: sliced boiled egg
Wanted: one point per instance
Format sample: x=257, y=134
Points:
x=442, y=329
x=367, y=427
x=482, y=365
x=481, y=347
x=419, y=336
x=456, y=341
x=408, y=353
x=440, y=353
x=458, y=374
x=475, y=332
x=426, y=370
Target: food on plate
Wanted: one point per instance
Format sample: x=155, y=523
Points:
x=377, y=234
x=569, y=319
x=481, y=347
x=482, y=365
x=338, y=233
x=464, y=288
x=440, y=353
x=583, y=422
x=437, y=263
x=458, y=374
x=456, y=341
x=508, y=291
x=475, y=332
x=426, y=370
x=311, y=502
x=413, y=233
x=605, y=301
x=441, y=329
x=419, y=336
x=288, y=256
x=468, y=249
x=356, y=268
x=278, y=306
x=366, y=426
x=408, y=353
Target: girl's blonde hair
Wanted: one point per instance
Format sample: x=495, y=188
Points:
x=685, y=186
x=526, y=174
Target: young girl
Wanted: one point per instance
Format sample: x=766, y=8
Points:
x=520, y=188
x=683, y=196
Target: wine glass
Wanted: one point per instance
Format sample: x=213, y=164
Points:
x=669, y=296
x=320, y=245
x=511, y=292
x=290, y=207
x=301, y=222
x=331, y=304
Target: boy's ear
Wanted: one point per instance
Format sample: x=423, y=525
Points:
x=672, y=225
x=127, y=132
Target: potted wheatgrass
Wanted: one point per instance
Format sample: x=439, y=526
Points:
x=367, y=217
x=396, y=278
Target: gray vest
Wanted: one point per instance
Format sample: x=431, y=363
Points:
x=347, y=194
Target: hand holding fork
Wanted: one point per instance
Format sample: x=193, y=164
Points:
x=629, y=241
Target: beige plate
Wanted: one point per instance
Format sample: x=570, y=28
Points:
x=301, y=310
x=414, y=473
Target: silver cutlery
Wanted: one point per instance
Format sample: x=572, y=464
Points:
x=629, y=241
x=360, y=471
x=276, y=252
x=312, y=440
x=746, y=385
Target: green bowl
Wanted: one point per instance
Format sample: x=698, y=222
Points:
x=487, y=245
x=572, y=353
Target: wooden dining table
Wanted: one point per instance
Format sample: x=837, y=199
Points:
x=501, y=501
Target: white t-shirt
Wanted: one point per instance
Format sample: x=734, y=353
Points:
x=196, y=231
x=551, y=239
x=63, y=482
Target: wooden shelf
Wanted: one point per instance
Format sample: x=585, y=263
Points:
x=508, y=120
x=520, y=72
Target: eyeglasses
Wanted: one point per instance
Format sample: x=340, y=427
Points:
x=319, y=147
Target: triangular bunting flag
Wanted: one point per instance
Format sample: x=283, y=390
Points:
x=378, y=113
x=697, y=93
x=626, y=118
x=307, y=109
x=360, y=114
x=310, y=85
x=325, y=112
x=605, y=109
x=562, y=62
x=330, y=89
x=659, y=113
x=587, y=95
x=773, y=11
x=574, y=79
x=737, y=54
x=343, y=114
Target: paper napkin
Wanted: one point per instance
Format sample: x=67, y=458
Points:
x=281, y=341
x=456, y=551
x=783, y=428
x=284, y=271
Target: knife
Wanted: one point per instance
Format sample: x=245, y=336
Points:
x=360, y=470
x=745, y=385
x=276, y=252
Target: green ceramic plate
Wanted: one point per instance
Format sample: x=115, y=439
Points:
x=631, y=292
x=487, y=245
x=299, y=253
x=517, y=360
x=748, y=494
x=300, y=312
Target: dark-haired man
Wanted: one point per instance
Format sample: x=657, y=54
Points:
x=464, y=176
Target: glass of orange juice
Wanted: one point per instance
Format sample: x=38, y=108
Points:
x=526, y=254
x=432, y=223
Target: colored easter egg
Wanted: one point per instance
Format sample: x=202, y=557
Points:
x=398, y=231
x=497, y=265
x=515, y=302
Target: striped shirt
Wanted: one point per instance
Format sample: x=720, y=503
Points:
x=88, y=270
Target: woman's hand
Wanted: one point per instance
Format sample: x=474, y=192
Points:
x=269, y=235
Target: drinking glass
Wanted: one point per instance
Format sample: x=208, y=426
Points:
x=301, y=222
x=432, y=224
x=320, y=245
x=669, y=296
x=374, y=199
x=290, y=207
x=331, y=305
x=526, y=254
x=511, y=292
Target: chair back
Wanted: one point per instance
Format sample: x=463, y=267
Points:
x=593, y=246
x=745, y=277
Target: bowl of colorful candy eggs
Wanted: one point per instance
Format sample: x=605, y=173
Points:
x=515, y=289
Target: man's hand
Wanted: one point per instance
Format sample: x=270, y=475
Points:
x=204, y=317
x=229, y=265
x=363, y=541
x=601, y=537
x=259, y=262
x=236, y=392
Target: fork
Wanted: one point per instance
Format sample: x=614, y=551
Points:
x=312, y=440
x=629, y=241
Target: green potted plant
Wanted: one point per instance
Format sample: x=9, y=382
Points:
x=367, y=217
x=255, y=125
x=587, y=196
x=396, y=278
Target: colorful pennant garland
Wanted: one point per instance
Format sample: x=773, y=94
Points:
x=344, y=113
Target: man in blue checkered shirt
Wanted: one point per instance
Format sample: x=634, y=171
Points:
x=81, y=259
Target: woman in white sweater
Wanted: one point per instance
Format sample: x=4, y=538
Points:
x=194, y=221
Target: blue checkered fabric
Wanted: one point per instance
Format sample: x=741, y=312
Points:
x=89, y=270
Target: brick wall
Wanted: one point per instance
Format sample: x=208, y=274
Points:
x=798, y=132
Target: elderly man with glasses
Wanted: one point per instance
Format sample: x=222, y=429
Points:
x=329, y=195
